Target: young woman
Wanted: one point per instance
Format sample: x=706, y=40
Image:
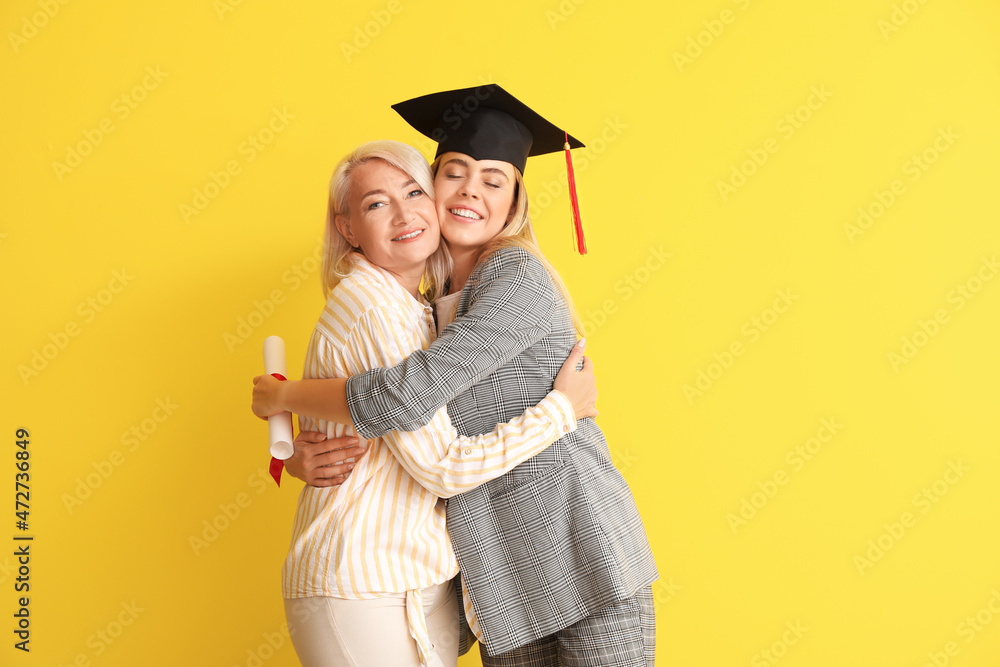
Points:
x=367, y=577
x=555, y=565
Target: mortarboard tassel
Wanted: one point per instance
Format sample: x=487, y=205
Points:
x=581, y=243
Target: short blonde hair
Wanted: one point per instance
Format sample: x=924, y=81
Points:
x=338, y=253
x=519, y=232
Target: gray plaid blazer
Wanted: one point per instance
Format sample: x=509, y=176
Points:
x=558, y=537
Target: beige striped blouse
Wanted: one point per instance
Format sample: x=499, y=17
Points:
x=383, y=530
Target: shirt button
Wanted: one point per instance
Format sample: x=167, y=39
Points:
x=468, y=450
x=566, y=428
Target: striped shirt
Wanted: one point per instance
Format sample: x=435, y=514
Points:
x=383, y=530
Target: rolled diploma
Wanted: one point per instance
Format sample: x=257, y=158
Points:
x=279, y=427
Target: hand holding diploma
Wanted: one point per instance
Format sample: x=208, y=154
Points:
x=312, y=457
x=267, y=399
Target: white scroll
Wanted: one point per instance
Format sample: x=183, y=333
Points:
x=279, y=427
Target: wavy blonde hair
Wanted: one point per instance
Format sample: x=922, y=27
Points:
x=519, y=232
x=338, y=253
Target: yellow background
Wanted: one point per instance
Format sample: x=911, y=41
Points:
x=671, y=99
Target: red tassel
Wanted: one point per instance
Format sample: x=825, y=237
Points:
x=581, y=243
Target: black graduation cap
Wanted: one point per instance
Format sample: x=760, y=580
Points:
x=488, y=123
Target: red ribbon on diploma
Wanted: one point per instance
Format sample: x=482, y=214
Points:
x=277, y=465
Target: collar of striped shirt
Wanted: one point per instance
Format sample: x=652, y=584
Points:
x=366, y=272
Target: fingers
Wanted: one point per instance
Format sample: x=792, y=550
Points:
x=335, y=447
x=310, y=436
x=324, y=482
x=329, y=475
x=334, y=457
x=344, y=442
x=577, y=352
x=322, y=461
x=341, y=469
x=574, y=357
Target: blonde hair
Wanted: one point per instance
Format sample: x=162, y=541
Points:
x=338, y=253
x=519, y=232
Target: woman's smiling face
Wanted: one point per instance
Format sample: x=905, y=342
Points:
x=391, y=219
x=474, y=199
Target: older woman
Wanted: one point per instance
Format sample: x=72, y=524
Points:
x=556, y=566
x=367, y=577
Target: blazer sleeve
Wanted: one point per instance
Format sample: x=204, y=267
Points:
x=446, y=464
x=510, y=301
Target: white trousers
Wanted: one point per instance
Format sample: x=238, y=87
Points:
x=333, y=632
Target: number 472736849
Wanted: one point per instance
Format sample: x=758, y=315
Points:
x=22, y=479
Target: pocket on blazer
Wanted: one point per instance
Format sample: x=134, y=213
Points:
x=527, y=474
x=534, y=520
